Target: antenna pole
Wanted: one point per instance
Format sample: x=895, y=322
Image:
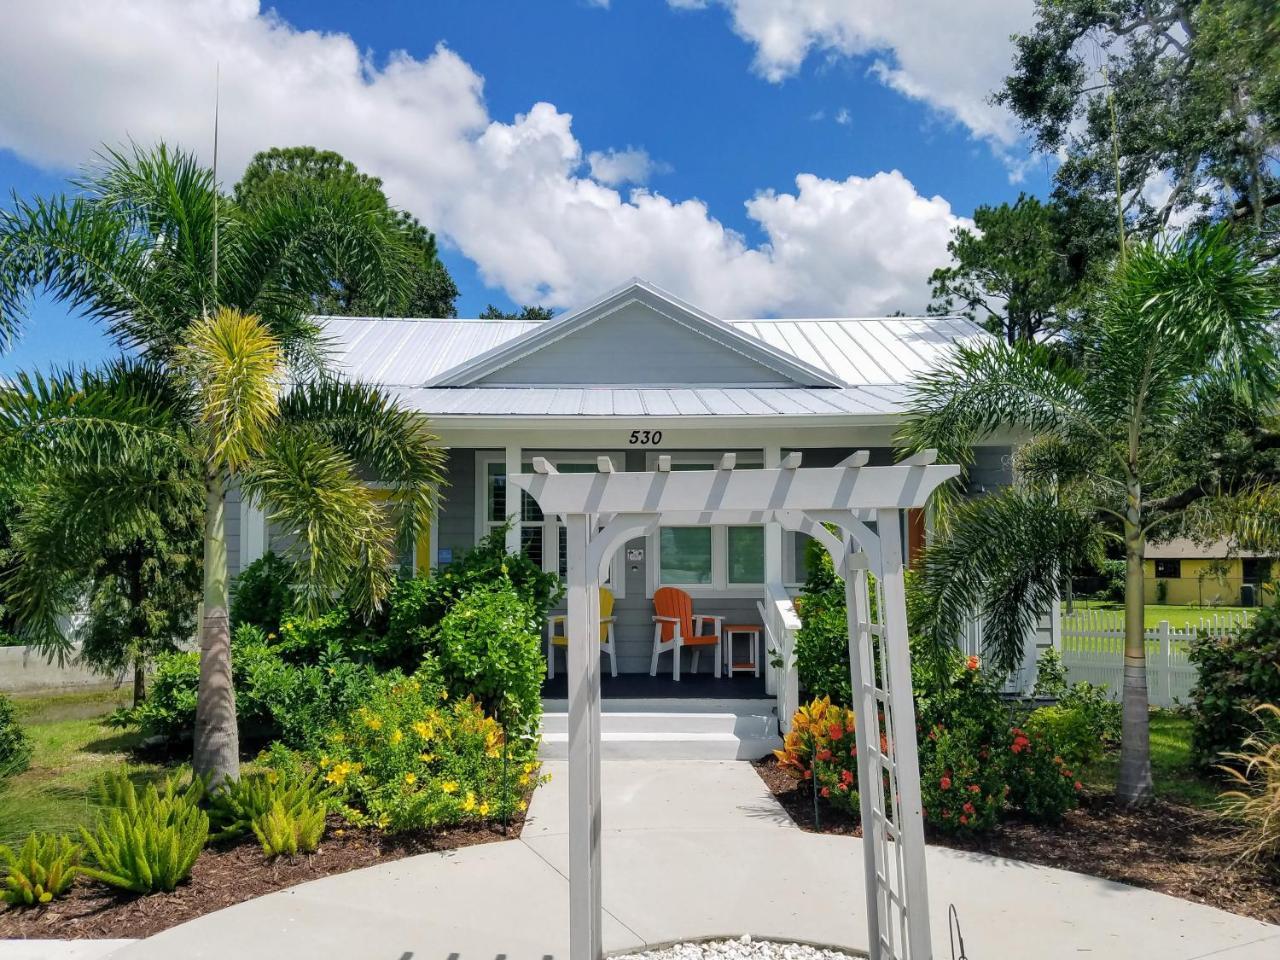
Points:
x=217, y=84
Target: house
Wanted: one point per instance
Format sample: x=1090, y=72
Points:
x=634, y=376
x=1213, y=574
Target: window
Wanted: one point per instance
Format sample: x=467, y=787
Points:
x=685, y=555
x=542, y=539
x=1168, y=569
x=719, y=557
x=1256, y=569
x=746, y=554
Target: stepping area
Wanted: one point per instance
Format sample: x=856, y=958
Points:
x=691, y=850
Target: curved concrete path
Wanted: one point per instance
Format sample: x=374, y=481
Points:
x=693, y=849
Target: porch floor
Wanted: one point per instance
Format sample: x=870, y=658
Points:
x=641, y=686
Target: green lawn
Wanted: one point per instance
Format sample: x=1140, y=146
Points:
x=1176, y=777
x=72, y=747
x=1178, y=615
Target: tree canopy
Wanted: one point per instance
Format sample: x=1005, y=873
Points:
x=1190, y=89
x=430, y=291
x=526, y=313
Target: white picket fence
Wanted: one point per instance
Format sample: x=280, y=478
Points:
x=1093, y=650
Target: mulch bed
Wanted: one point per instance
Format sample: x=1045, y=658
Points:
x=228, y=875
x=1166, y=847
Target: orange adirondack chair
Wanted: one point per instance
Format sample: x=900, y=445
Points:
x=675, y=625
x=556, y=637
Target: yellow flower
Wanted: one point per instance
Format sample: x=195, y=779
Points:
x=410, y=778
x=324, y=763
x=530, y=767
x=484, y=809
x=339, y=738
x=423, y=729
x=396, y=737
x=449, y=786
x=373, y=722
x=444, y=694
x=338, y=775
x=426, y=757
x=522, y=806
x=469, y=804
x=524, y=780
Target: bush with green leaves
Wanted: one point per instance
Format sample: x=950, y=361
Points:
x=1041, y=783
x=263, y=595
x=489, y=646
x=242, y=806
x=962, y=779
x=417, y=606
x=414, y=758
x=1073, y=731
x=43, y=869
x=15, y=746
x=148, y=839
x=1236, y=673
x=1051, y=675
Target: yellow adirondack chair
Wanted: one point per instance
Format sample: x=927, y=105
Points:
x=556, y=635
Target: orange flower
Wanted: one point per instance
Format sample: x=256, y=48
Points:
x=945, y=783
x=972, y=663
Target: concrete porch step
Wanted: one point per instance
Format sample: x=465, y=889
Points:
x=665, y=729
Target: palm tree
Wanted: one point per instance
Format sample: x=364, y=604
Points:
x=1154, y=407
x=223, y=385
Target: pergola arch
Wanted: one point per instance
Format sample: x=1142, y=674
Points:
x=604, y=510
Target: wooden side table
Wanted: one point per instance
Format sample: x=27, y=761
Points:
x=753, y=632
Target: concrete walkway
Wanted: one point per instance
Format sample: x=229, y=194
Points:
x=693, y=849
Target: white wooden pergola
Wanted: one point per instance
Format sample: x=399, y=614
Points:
x=604, y=510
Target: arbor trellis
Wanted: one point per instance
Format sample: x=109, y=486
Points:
x=604, y=510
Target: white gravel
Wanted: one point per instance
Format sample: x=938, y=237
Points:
x=744, y=948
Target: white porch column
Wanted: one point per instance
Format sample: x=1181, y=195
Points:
x=513, y=499
x=582, y=626
x=773, y=573
x=253, y=532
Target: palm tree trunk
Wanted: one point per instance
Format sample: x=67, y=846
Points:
x=1133, y=785
x=217, y=740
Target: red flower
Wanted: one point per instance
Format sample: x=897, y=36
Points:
x=853, y=751
x=835, y=730
x=974, y=788
x=968, y=808
x=824, y=754
x=945, y=783
x=842, y=787
x=846, y=776
x=826, y=791
x=963, y=819
x=1079, y=785
x=808, y=774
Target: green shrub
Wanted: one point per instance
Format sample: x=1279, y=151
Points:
x=413, y=758
x=43, y=869
x=15, y=745
x=417, y=606
x=1101, y=711
x=262, y=595
x=821, y=747
x=1051, y=675
x=1113, y=574
x=1041, y=784
x=1162, y=591
x=1073, y=731
x=962, y=779
x=237, y=806
x=287, y=831
x=489, y=645
x=1236, y=674
x=146, y=840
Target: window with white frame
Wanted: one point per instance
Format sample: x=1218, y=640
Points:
x=714, y=557
x=542, y=538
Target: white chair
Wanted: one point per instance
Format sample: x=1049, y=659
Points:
x=558, y=639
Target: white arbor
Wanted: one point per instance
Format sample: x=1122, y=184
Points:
x=604, y=510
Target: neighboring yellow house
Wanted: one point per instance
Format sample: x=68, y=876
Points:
x=1215, y=574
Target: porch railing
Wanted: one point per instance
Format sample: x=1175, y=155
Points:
x=781, y=622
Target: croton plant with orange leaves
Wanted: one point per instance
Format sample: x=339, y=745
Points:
x=821, y=748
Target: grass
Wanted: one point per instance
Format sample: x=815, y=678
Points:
x=1178, y=615
x=1176, y=777
x=72, y=748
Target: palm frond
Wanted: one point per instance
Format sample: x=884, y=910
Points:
x=126, y=411
x=235, y=365
x=340, y=540
x=1003, y=559
x=390, y=444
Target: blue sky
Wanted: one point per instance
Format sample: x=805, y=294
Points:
x=722, y=117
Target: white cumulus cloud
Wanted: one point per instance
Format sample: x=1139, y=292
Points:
x=949, y=54
x=510, y=194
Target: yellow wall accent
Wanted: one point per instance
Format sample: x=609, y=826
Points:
x=422, y=551
x=1200, y=582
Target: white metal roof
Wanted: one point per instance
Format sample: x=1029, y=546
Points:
x=877, y=400
x=877, y=359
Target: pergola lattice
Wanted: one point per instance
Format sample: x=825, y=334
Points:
x=604, y=510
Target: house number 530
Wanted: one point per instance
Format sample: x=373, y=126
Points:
x=646, y=437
